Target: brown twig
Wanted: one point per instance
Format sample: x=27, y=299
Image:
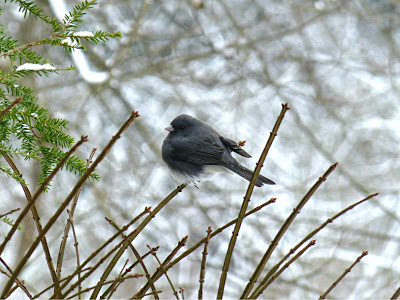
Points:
x=97, y=251
x=133, y=235
x=31, y=199
x=203, y=263
x=139, y=259
x=8, y=108
x=128, y=270
x=199, y=243
x=246, y=201
x=121, y=279
x=71, y=220
x=323, y=296
x=38, y=193
x=17, y=281
x=114, y=285
x=310, y=235
x=161, y=269
x=154, y=253
x=68, y=224
x=9, y=212
x=282, y=230
x=62, y=280
x=66, y=202
x=259, y=291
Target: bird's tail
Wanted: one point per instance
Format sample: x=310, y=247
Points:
x=247, y=174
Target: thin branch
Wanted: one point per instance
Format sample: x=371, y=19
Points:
x=17, y=281
x=38, y=193
x=199, y=243
x=68, y=224
x=257, y=294
x=121, y=279
x=203, y=263
x=9, y=212
x=396, y=294
x=132, y=236
x=162, y=269
x=246, y=201
x=282, y=231
x=71, y=220
x=97, y=251
x=128, y=270
x=66, y=202
x=323, y=296
x=62, y=280
x=8, y=108
x=310, y=235
x=139, y=259
x=154, y=253
x=114, y=285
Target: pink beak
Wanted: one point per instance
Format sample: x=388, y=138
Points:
x=170, y=129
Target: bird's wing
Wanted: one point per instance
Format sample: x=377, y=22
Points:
x=233, y=146
x=201, y=151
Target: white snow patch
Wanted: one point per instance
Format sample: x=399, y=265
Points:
x=35, y=67
x=84, y=34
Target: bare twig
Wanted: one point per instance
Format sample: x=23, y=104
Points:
x=203, y=263
x=66, y=202
x=154, y=253
x=199, y=243
x=310, y=235
x=9, y=212
x=396, y=294
x=139, y=259
x=17, y=281
x=162, y=269
x=282, y=230
x=259, y=291
x=323, y=296
x=71, y=220
x=133, y=235
x=69, y=224
x=8, y=108
x=246, y=201
x=120, y=279
x=97, y=251
x=62, y=280
x=38, y=193
x=31, y=199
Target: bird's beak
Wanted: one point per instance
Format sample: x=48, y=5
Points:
x=170, y=129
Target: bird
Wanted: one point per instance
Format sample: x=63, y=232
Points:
x=194, y=151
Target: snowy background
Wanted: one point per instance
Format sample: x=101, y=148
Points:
x=232, y=64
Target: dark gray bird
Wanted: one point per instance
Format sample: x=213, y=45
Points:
x=193, y=151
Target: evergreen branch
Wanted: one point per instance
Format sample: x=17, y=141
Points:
x=246, y=201
x=55, y=216
x=78, y=12
x=28, y=8
x=5, y=111
x=36, y=196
